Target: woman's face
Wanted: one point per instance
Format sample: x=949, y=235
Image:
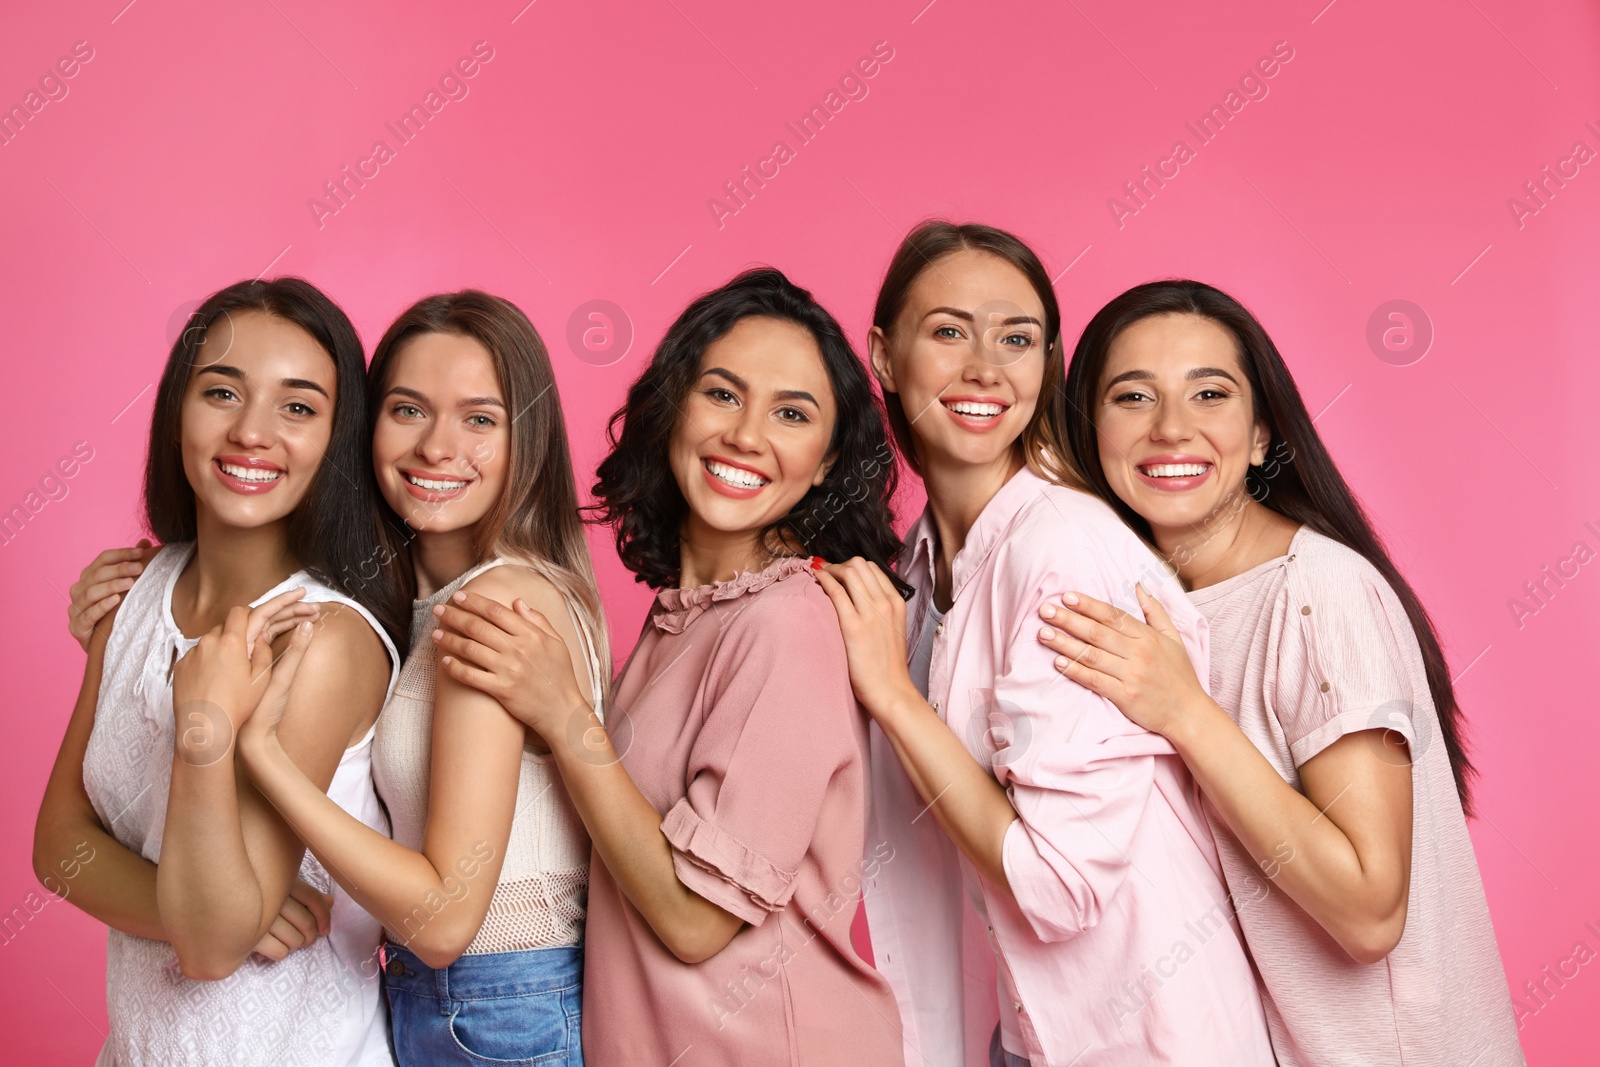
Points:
x=1176, y=422
x=441, y=447
x=256, y=418
x=752, y=436
x=966, y=356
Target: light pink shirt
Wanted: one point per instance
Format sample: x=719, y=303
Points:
x=1118, y=935
x=1307, y=648
x=734, y=717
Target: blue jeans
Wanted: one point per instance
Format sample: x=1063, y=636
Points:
x=497, y=1008
x=999, y=1057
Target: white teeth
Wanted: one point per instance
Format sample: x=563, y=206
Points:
x=433, y=485
x=250, y=474
x=970, y=407
x=1175, y=470
x=736, y=476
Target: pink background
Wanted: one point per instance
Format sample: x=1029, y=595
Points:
x=579, y=167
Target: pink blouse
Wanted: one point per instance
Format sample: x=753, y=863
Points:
x=735, y=718
x=1119, y=936
x=1308, y=648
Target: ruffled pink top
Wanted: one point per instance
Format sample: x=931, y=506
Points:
x=735, y=718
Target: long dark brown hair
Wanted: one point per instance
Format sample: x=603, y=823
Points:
x=535, y=521
x=1308, y=488
x=1044, y=439
x=638, y=496
x=333, y=533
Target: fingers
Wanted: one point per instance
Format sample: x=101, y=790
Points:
x=288, y=934
x=1065, y=645
x=466, y=675
x=287, y=620
x=456, y=617
x=1095, y=681
x=495, y=612
x=465, y=649
x=314, y=900
x=273, y=949
x=261, y=614
x=836, y=593
x=284, y=668
x=1155, y=614
x=82, y=623
x=1070, y=615
x=300, y=917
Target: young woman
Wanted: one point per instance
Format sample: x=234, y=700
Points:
x=256, y=484
x=726, y=795
x=1080, y=842
x=1329, y=749
x=482, y=888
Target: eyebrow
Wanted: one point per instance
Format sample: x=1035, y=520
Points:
x=238, y=375
x=782, y=394
x=469, y=402
x=1196, y=372
x=966, y=316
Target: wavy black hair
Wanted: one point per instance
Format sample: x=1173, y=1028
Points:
x=333, y=533
x=637, y=495
x=1309, y=489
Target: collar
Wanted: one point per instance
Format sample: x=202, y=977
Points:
x=675, y=609
x=991, y=526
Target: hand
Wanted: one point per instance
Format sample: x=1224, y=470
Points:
x=305, y=916
x=514, y=656
x=872, y=617
x=261, y=726
x=1141, y=667
x=100, y=586
x=218, y=683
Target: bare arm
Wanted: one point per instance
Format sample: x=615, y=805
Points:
x=1341, y=850
x=527, y=659
x=433, y=901
x=229, y=859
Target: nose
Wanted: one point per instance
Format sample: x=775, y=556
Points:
x=1171, y=423
x=255, y=425
x=983, y=368
x=437, y=443
x=744, y=432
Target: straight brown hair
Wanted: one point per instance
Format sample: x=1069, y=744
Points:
x=1044, y=440
x=536, y=520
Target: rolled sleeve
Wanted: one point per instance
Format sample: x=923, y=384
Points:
x=1079, y=774
x=1342, y=663
x=777, y=731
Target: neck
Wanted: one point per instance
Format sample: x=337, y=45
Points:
x=706, y=555
x=1239, y=535
x=957, y=495
x=440, y=558
x=230, y=567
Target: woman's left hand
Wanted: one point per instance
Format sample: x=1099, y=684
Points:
x=217, y=684
x=872, y=617
x=1141, y=666
x=514, y=656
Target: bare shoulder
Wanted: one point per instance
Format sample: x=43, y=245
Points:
x=507, y=583
x=345, y=649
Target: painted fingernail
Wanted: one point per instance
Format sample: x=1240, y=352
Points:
x=1061, y=663
x=1048, y=611
x=816, y=563
x=1046, y=633
x=1070, y=598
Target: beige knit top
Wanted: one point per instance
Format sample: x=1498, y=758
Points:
x=541, y=898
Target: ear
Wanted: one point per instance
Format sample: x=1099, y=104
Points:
x=824, y=469
x=878, y=351
x=1260, y=441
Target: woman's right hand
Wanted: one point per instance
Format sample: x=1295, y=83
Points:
x=304, y=917
x=100, y=586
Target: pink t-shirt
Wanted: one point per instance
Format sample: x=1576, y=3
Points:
x=1305, y=649
x=735, y=718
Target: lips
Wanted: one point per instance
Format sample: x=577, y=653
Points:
x=248, y=475
x=978, y=414
x=434, y=486
x=1174, y=473
x=733, y=479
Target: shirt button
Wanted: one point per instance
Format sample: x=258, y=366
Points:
x=1324, y=687
x=1018, y=1006
x=935, y=705
x=939, y=629
x=1306, y=610
x=396, y=968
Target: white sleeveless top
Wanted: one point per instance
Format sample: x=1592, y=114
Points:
x=320, y=1006
x=541, y=898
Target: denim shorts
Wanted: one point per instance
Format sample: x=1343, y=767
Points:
x=496, y=1008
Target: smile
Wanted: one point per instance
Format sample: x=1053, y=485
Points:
x=975, y=409
x=738, y=477
x=247, y=475
x=435, y=485
x=1174, y=473
x=1175, y=470
x=250, y=474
